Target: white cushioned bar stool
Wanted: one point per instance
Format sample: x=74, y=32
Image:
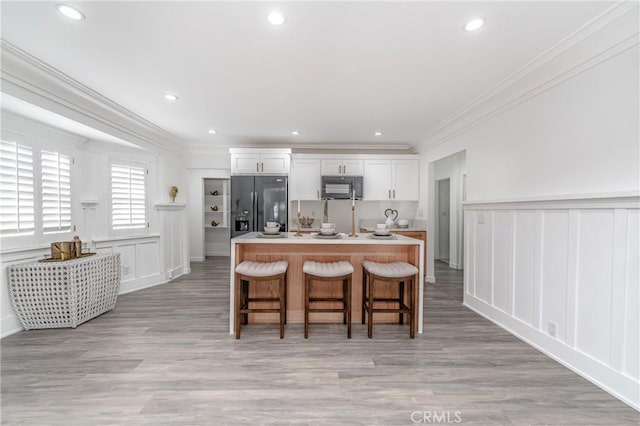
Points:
x=247, y=272
x=396, y=272
x=325, y=272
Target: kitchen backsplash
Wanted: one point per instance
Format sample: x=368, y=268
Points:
x=340, y=211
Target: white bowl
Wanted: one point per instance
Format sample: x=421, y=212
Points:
x=380, y=231
x=327, y=231
x=272, y=230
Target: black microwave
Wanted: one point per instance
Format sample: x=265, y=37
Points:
x=341, y=187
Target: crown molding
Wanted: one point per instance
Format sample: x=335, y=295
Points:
x=28, y=78
x=557, y=64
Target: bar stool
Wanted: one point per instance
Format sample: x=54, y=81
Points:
x=249, y=271
x=396, y=272
x=327, y=272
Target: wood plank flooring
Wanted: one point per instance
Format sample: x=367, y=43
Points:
x=164, y=357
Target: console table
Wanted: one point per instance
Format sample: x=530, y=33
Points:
x=64, y=294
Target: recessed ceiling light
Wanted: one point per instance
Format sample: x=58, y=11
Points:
x=212, y=132
x=474, y=24
x=70, y=12
x=275, y=18
x=378, y=133
x=295, y=133
x=170, y=97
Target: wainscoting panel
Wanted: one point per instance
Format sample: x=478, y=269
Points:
x=564, y=276
x=503, y=271
x=524, y=293
x=593, y=298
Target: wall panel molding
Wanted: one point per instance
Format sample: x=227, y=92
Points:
x=573, y=283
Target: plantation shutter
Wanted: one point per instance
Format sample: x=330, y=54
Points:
x=16, y=189
x=56, y=192
x=128, y=198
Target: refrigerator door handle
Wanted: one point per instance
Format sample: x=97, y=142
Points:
x=255, y=209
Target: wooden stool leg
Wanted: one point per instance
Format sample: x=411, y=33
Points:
x=307, y=285
x=370, y=308
x=245, y=300
x=285, y=297
x=401, y=297
x=282, y=306
x=236, y=303
x=412, y=315
x=344, y=301
x=348, y=297
x=364, y=292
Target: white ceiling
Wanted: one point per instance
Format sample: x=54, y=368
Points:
x=336, y=71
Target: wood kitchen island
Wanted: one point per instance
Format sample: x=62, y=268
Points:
x=296, y=250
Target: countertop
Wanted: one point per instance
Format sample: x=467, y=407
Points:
x=290, y=238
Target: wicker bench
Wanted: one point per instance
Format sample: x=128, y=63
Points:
x=64, y=294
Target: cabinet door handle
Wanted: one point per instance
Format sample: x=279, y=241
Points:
x=339, y=169
x=257, y=167
x=389, y=194
x=262, y=164
x=318, y=191
x=344, y=169
x=394, y=194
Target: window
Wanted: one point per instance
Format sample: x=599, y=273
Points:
x=56, y=192
x=16, y=189
x=128, y=197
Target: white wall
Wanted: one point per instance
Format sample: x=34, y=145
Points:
x=564, y=127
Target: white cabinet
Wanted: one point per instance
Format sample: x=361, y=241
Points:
x=305, y=179
x=405, y=180
x=253, y=163
x=342, y=167
x=391, y=180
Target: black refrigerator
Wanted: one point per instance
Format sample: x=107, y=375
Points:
x=256, y=200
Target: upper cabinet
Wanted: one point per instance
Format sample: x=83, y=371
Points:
x=305, y=179
x=391, y=180
x=256, y=163
x=338, y=167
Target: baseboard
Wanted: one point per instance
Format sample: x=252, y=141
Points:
x=140, y=283
x=197, y=259
x=431, y=279
x=625, y=388
x=10, y=325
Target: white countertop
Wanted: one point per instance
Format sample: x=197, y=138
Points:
x=290, y=238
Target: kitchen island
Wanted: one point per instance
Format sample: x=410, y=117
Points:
x=296, y=250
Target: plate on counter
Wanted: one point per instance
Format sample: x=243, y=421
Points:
x=382, y=237
x=328, y=237
x=278, y=235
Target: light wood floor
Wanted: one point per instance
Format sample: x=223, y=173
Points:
x=164, y=356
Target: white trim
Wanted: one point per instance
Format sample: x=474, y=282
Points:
x=70, y=98
x=529, y=81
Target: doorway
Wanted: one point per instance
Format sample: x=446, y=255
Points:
x=443, y=206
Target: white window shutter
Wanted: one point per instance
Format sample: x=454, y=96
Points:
x=56, y=192
x=128, y=197
x=16, y=189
